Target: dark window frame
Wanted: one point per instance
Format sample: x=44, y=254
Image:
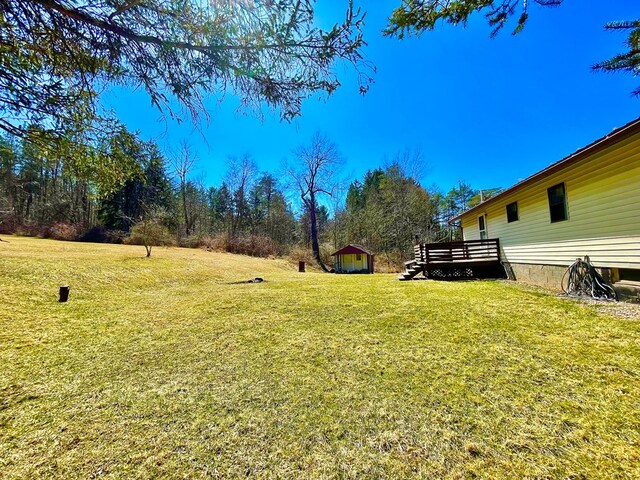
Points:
x=482, y=226
x=558, y=211
x=510, y=218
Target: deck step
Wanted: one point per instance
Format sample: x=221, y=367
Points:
x=403, y=277
x=410, y=272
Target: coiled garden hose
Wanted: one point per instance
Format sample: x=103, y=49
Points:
x=582, y=280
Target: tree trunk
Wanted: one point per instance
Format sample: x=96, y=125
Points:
x=29, y=202
x=184, y=208
x=315, y=246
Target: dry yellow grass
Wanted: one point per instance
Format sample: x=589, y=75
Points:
x=163, y=367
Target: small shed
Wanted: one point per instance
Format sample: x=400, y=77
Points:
x=353, y=259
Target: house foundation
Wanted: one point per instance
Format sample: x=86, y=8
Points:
x=547, y=276
x=628, y=291
x=550, y=277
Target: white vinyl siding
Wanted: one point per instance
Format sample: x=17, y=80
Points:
x=603, y=205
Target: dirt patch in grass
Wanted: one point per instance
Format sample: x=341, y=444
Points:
x=630, y=311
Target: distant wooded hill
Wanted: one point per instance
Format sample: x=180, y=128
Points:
x=48, y=194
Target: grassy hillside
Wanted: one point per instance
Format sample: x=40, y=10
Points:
x=164, y=367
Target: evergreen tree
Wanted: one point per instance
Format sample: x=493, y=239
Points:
x=148, y=188
x=55, y=52
x=8, y=168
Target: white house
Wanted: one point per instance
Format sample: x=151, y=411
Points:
x=585, y=204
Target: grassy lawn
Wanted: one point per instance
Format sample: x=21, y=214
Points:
x=163, y=367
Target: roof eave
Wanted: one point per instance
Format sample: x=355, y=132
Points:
x=603, y=142
x=352, y=245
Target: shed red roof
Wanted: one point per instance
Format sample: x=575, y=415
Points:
x=352, y=248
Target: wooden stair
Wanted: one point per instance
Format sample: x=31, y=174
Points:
x=412, y=268
x=455, y=260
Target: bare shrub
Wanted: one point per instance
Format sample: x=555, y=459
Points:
x=252, y=245
x=8, y=223
x=388, y=263
x=326, y=249
x=215, y=243
x=301, y=254
x=30, y=230
x=61, y=231
x=192, y=241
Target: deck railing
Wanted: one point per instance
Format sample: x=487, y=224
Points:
x=458, y=252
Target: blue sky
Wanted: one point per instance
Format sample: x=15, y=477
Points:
x=488, y=112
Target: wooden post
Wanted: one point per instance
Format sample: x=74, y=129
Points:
x=64, y=293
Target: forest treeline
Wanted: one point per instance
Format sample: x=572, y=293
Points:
x=45, y=193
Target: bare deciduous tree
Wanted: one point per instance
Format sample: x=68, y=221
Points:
x=240, y=177
x=311, y=174
x=183, y=162
x=410, y=162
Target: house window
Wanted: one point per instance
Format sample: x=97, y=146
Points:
x=358, y=257
x=512, y=212
x=557, y=203
x=482, y=226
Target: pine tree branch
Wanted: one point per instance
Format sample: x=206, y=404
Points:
x=150, y=39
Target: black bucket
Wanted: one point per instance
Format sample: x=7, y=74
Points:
x=64, y=293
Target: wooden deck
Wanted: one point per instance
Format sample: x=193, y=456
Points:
x=462, y=259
